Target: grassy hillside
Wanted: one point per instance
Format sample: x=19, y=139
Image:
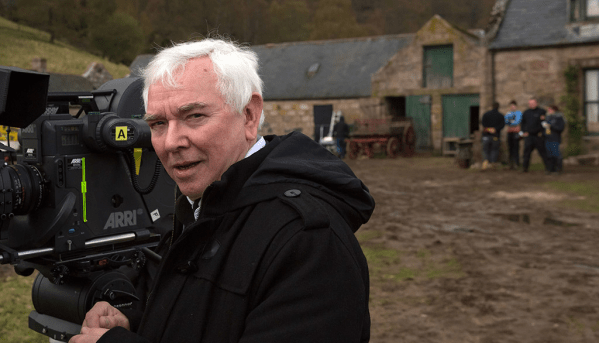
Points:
x=20, y=44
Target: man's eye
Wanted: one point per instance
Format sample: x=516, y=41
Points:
x=156, y=124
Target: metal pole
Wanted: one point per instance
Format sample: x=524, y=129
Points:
x=92, y=243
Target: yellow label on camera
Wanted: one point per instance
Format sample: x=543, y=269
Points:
x=120, y=133
x=137, y=154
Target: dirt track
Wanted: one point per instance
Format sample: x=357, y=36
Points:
x=469, y=256
x=465, y=256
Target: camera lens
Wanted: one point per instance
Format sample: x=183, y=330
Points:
x=22, y=189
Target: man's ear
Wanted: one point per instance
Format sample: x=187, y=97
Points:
x=252, y=113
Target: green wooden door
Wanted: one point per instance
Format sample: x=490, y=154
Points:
x=419, y=109
x=456, y=114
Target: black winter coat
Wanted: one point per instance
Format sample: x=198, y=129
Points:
x=558, y=124
x=494, y=119
x=271, y=258
x=532, y=119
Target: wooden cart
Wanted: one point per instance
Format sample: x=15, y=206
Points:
x=394, y=137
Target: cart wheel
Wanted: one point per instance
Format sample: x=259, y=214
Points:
x=409, y=142
x=353, y=150
x=393, y=147
x=368, y=150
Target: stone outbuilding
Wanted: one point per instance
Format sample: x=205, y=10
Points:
x=305, y=82
x=531, y=43
x=436, y=80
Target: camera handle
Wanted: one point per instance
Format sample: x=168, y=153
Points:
x=8, y=255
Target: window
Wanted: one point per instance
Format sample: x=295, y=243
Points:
x=583, y=10
x=438, y=67
x=592, y=100
x=592, y=8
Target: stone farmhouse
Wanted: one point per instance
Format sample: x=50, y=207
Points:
x=442, y=77
x=437, y=79
x=531, y=43
x=433, y=76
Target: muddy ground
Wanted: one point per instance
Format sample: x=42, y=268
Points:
x=467, y=256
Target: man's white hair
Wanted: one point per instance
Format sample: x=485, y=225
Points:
x=236, y=68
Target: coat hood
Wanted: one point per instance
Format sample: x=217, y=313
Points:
x=289, y=160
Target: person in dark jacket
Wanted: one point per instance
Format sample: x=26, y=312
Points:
x=553, y=126
x=341, y=132
x=263, y=248
x=532, y=132
x=493, y=121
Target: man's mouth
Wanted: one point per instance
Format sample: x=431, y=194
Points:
x=186, y=166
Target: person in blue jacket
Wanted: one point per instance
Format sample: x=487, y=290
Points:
x=553, y=126
x=512, y=120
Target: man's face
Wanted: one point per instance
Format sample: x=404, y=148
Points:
x=532, y=104
x=513, y=107
x=196, y=135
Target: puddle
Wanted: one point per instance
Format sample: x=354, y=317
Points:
x=538, y=196
x=584, y=266
x=526, y=219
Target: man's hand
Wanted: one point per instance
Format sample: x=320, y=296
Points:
x=104, y=316
x=88, y=335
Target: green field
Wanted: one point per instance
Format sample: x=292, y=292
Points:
x=20, y=44
x=15, y=300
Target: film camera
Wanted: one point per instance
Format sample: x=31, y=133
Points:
x=72, y=204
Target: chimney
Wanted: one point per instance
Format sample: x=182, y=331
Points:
x=38, y=64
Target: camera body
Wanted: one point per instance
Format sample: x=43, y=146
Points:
x=71, y=204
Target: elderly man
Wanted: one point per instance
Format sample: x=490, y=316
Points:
x=263, y=248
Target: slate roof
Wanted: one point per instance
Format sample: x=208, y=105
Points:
x=537, y=23
x=344, y=66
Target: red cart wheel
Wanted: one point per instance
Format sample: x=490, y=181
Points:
x=409, y=142
x=393, y=147
x=368, y=150
x=354, y=148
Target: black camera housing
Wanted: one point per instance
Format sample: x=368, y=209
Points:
x=71, y=205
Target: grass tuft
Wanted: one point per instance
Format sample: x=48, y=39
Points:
x=587, y=191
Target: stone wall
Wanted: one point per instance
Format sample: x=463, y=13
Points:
x=403, y=73
x=282, y=117
x=402, y=76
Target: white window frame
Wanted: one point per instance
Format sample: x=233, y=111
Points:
x=591, y=100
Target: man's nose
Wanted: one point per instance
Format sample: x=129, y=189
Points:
x=176, y=137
